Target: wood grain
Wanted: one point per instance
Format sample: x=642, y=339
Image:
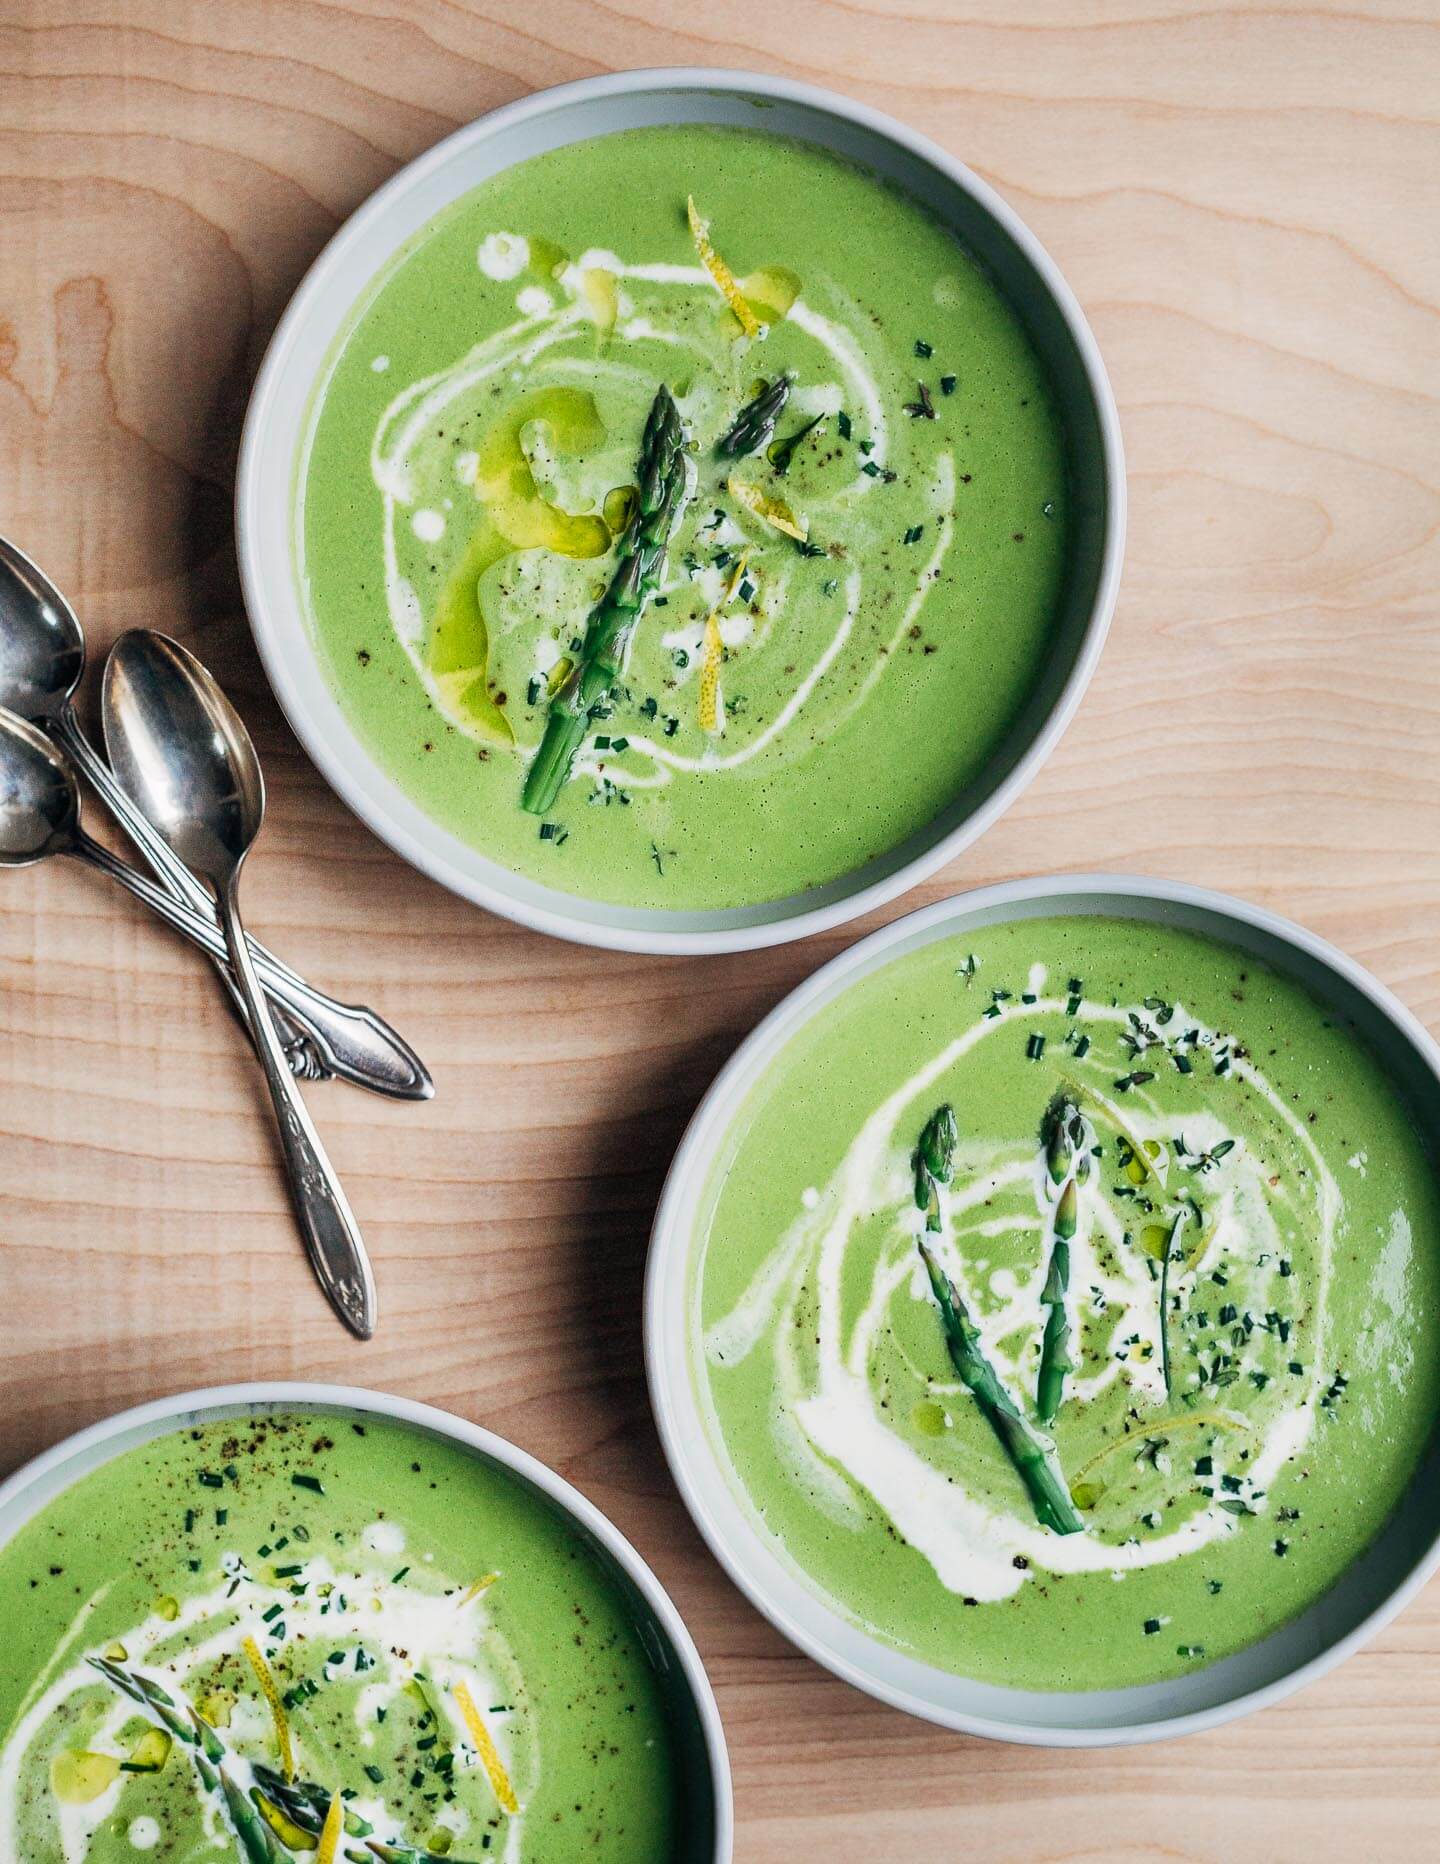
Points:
x=1246, y=200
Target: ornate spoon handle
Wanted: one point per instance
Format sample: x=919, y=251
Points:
x=327, y=1225
x=320, y=1036
x=292, y=1001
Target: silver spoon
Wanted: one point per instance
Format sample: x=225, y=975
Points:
x=40, y=815
x=42, y=656
x=181, y=752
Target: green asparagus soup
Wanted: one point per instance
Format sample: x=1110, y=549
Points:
x=1064, y=1302
x=212, y=1634
x=683, y=518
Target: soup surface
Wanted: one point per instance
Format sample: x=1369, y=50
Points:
x=1150, y=1446
x=852, y=597
x=447, y=1653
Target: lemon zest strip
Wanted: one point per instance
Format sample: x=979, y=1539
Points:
x=485, y=1747
x=277, y=1707
x=772, y=511
x=724, y=278
x=330, y=1832
x=715, y=648
x=483, y=1584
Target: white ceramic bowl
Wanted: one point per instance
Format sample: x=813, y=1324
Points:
x=276, y=425
x=1366, y=1597
x=709, y=1806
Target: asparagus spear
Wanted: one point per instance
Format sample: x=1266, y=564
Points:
x=304, y=1802
x=1055, y=1356
x=664, y=473
x=1067, y=1142
x=258, y=1844
x=754, y=426
x=399, y=1854
x=1067, y=1160
x=934, y=1162
x=1032, y=1454
x=295, y=1798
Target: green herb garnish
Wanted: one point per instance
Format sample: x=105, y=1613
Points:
x=783, y=452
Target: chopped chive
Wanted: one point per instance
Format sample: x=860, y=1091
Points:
x=922, y=348
x=947, y=384
x=307, y=1482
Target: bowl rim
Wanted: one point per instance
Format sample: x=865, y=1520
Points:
x=301, y=1392
x=666, y=1345
x=346, y=762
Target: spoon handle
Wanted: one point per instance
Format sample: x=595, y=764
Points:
x=334, y=1038
x=290, y=997
x=330, y=1232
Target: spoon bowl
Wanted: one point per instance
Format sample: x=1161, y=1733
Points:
x=39, y=795
x=42, y=656
x=181, y=751
x=42, y=646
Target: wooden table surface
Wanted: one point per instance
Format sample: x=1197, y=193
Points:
x=1246, y=201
